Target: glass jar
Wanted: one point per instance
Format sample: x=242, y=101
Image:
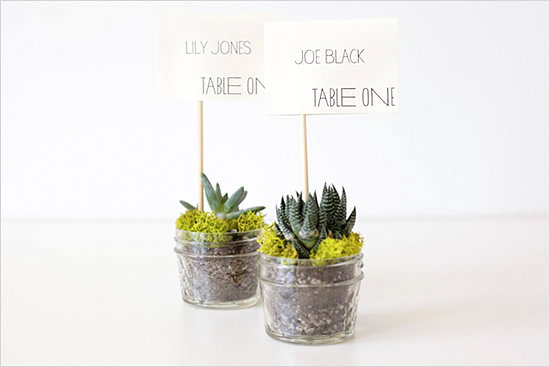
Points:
x=310, y=301
x=218, y=270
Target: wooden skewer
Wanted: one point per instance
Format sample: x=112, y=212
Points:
x=304, y=146
x=201, y=197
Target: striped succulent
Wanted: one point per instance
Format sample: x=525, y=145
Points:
x=306, y=223
x=224, y=206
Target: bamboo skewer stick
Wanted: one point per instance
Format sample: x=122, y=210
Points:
x=304, y=146
x=201, y=196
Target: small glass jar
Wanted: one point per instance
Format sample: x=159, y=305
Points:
x=218, y=270
x=310, y=301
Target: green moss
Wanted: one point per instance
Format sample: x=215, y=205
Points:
x=248, y=221
x=205, y=222
x=273, y=245
x=331, y=248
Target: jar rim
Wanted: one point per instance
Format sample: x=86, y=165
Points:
x=291, y=262
x=219, y=233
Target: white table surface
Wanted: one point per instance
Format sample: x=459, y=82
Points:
x=440, y=292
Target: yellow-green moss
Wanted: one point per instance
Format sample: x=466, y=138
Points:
x=206, y=222
x=331, y=248
x=271, y=244
x=197, y=221
x=248, y=221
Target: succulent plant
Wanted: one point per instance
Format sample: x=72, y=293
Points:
x=223, y=206
x=306, y=224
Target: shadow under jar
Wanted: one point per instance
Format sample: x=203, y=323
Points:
x=218, y=270
x=310, y=301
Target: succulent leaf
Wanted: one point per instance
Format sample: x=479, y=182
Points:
x=278, y=231
x=312, y=210
x=211, y=196
x=235, y=199
x=283, y=225
x=340, y=214
x=328, y=203
x=282, y=205
x=294, y=216
x=350, y=222
x=187, y=205
x=254, y=209
x=322, y=235
x=286, y=213
x=302, y=251
x=238, y=213
x=308, y=233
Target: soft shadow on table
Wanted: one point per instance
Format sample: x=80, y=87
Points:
x=372, y=324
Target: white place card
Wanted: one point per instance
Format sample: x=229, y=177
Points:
x=211, y=56
x=331, y=67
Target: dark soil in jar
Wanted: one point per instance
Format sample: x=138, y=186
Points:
x=217, y=273
x=311, y=301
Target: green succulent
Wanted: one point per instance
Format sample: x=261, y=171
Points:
x=223, y=206
x=306, y=224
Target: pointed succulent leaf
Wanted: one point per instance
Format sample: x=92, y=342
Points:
x=254, y=209
x=187, y=205
x=335, y=198
x=322, y=225
x=303, y=252
x=308, y=233
x=335, y=204
x=349, y=223
x=282, y=204
x=300, y=202
x=294, y=216
x=218, y=191
x=224, y=198
x=322, y=216
x=335, y=193
x=211, y=196
x=287, y=208
x=340, y=214
x=322, y=235
x=328, y=203
x=278, y=231
x=233, y=202
x=234, y=215
x=291, y=205
x=312, y=211
x=238, y=213
x=283, y=225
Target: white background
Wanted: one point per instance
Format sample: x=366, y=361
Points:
x=452, y=191
x=84, y=135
